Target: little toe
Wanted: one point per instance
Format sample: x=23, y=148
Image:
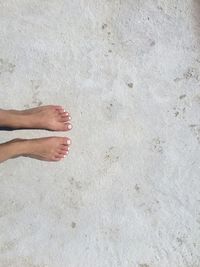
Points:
x=58, y=154
x=56, y=157
x=65, y=155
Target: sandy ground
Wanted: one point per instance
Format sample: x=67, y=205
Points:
x=128, y=195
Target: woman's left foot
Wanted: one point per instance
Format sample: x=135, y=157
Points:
x=51, y=117
x=46, y=149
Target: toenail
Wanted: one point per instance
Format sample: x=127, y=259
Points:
x=69, y=126
x=68, y=142
x=70, y=118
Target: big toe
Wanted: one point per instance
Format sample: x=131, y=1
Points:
x=65, y=126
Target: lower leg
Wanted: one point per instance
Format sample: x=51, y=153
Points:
x=11, y=149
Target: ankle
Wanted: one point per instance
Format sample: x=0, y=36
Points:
x=13, y=119
x=18, y=147
x=4, y=117
x=11, y=149
x=21, y=147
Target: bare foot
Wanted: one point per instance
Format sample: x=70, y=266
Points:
x=47, y=117
x=46, y=149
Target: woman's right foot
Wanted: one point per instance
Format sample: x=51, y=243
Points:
x=51, y=117
x=46, y=149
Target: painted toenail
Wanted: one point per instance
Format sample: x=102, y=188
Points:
x=68, y=142
x=69, y=126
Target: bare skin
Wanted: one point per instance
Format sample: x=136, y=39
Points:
x=50, y=117
x=46, y=149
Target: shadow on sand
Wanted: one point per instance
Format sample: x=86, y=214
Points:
x=6, y=129
x=18, y=129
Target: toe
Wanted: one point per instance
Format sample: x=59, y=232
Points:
x=65, y=119
x=64, y=114
x=69, y=118
x=59, y=108
x=58, y=155
x=64, y=126
x=68, y=126
x=64, y=147
x=63, y=153
x=56, y=158
x=66, y=141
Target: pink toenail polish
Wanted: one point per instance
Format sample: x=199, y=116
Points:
x=69, y=126
x=68, y=142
